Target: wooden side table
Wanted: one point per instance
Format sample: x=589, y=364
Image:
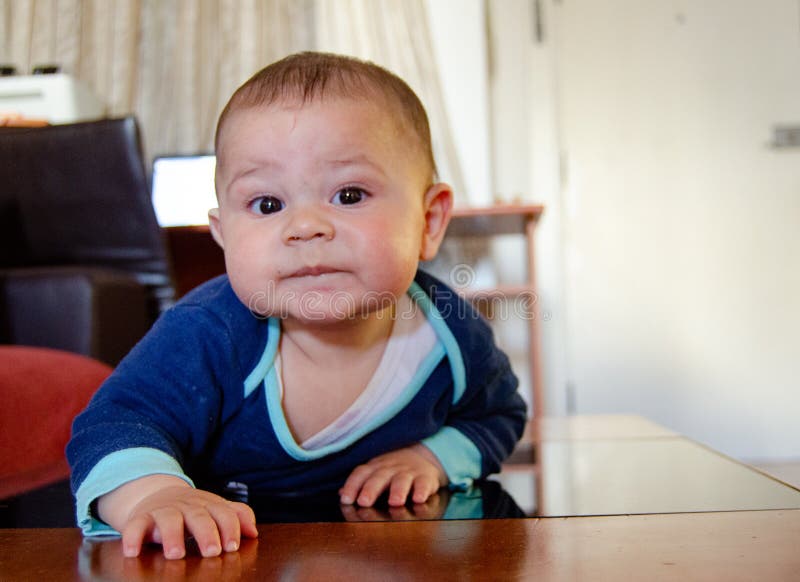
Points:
x=504, y=219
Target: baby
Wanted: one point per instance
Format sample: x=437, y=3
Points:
x=324, y=359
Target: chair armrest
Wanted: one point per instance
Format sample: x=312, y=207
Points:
x=99, y=313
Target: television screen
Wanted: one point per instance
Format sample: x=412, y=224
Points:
x=183, y=189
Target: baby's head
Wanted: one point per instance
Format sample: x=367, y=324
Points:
x=326, y=190
x=306, y=77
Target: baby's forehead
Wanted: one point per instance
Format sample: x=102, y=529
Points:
x=380, y=104
x=379, y=109
x=370, y=132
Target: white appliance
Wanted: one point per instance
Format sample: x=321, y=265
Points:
x=56, y=98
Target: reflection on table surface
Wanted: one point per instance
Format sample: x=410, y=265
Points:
x=484, y=500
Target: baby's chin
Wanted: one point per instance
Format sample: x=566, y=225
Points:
x=331, y=313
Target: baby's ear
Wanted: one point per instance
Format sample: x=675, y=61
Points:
x=438, y=208
x=216, y=226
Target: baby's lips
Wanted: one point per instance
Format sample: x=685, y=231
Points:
x=313, y=271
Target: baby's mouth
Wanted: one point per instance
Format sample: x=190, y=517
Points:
x=315, y=271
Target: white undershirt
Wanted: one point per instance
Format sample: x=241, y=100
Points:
x=411, y=340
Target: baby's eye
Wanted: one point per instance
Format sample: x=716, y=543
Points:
x=349, y=195
x=266, y=205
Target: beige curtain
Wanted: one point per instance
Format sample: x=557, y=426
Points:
x=193, y=55
x=174, y=63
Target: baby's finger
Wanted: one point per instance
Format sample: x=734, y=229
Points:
x=401, y=485
x=204, y=529
x=134, y=533
x=351, y=487
x=377, y=483
x=169, y=522
x=247, y=519
x=424, y=487
x=227, y=524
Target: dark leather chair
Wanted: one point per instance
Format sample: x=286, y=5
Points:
x=83, y=265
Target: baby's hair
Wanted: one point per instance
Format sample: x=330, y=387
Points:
x=309, y=76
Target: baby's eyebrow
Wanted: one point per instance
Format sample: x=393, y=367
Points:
x=358, y=160
x=254, y=168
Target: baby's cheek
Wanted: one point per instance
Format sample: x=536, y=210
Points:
x=257, y=297
x=395, y=275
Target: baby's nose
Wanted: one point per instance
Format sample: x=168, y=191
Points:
x=306, y=224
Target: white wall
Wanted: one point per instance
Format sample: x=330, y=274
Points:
x=682, y=246
x=668, y=254
x=458, y=37
x=525, y=148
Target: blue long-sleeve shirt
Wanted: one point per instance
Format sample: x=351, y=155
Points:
x=198, y=397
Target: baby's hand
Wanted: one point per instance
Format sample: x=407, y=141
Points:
x=166, y=509
x=413, y=468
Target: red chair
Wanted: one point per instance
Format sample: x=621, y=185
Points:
x=41, y=392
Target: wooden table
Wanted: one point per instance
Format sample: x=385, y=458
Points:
x=625, y=464
x=702, y=516
x=761, y=545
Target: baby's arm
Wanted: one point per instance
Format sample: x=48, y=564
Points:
x=413, y=469
x=158, y=411
x=481, y=430
x=164, y=509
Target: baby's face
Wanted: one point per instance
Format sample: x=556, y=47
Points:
x=321, y=208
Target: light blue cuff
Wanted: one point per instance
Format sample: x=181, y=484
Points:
x=467, y=504
x=458, y=455
x=114, y=470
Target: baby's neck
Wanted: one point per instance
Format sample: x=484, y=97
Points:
x=326, y=368
x=335, y=344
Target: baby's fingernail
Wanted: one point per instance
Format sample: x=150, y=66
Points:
x=173, y=554
x=130, y=551
x=346, y=499
x=212, y=550
x=232, y=546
